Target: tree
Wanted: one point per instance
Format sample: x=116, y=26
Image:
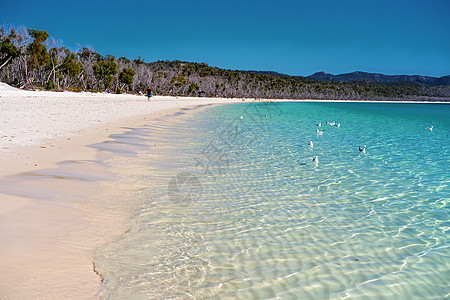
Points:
x=126, y=76
x=8, y=51
x=104, y=71
x=193, y=88
x=39, y=55
x=70, y=66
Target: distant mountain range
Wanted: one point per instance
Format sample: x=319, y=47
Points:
x=364, y=76
x=360, y=77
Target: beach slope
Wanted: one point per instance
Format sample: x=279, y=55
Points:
x=49, y=178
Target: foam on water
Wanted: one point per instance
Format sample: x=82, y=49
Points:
x=235, y=208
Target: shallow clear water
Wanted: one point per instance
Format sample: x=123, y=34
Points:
x=235, y=208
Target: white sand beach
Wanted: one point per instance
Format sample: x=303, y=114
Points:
x=48, y=228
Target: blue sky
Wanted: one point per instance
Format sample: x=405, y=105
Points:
x=292, y=37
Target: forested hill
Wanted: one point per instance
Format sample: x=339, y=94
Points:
x=374, y=77
x=30, y=59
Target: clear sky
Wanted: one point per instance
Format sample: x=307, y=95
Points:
x=295, y=37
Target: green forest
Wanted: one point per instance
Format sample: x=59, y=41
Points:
x=31, y=59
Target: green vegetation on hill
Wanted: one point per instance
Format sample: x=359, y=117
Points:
x=30, y=59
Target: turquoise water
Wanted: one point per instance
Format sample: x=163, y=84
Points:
x=234, y=207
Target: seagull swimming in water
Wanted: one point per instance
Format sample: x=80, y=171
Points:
x=320, y=132
x=241, y=117
x=316, y=159
x=362, y=149
x=429, y=128
x=311, y=144
x=319, y=124
x=337, y=124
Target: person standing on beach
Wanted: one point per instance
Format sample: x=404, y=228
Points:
x=149, y=93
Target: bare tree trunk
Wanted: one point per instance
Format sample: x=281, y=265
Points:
x=4, y=64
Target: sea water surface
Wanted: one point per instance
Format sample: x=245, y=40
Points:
x=231, y=205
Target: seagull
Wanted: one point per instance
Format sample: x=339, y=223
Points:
x=337, y=124
x=320, y=132
x=241, y=117
x=320, y=124
x=316, y=159
x=311, y=144
x=331, y=123
x=363, y=149
x=429, y=128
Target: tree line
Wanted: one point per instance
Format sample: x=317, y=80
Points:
x=31, y=59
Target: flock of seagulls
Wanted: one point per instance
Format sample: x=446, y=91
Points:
x=320, y=132
x=336, y=124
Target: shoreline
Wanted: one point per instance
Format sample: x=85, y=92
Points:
x=50, y=210
x=52, y=216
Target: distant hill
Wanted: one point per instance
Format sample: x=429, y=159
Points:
x=367, y=78
x=374, y=77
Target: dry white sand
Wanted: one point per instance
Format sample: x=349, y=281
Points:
x=51, y=220
x=34, y=117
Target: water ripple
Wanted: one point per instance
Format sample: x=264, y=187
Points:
x=271, y=224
